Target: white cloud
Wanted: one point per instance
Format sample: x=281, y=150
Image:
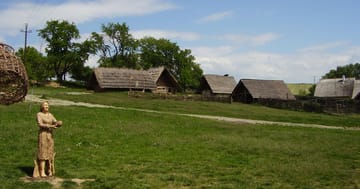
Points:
x=92, y=62
x=253, y=40
x=216, y=16
x=293, y=67
x=353, y=50
x=212, y=52
x=186, y=36
x=77, y=11
x=324, y=47
x=81, y=11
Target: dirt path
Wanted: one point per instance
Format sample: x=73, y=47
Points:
x=59, y=102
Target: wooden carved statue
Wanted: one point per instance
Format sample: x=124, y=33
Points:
x=44, y=164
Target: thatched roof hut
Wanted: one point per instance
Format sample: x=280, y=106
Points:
x=120, y=78
x=335, y=88
x=129, y=79
x=164, y=80
x=211, y=85
x=250, y=90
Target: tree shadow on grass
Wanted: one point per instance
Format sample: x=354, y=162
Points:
x=27, y=170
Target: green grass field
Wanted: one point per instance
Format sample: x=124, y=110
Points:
x=299, y=88
x=237, y=110
x=132, y=149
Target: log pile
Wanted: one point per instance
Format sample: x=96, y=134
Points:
x=13, y=77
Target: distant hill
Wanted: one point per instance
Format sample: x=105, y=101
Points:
x=299, y=88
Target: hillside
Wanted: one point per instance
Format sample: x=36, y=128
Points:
x=299, y=88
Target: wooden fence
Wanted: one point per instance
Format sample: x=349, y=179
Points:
x=313, y=104
x=302, y=103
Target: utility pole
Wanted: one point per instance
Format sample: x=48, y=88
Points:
x=26, y=31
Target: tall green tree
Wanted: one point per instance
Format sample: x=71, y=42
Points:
x=63, y=52
x=81, y=73
x=350, y=70
x=163, y=52
x=36, y=65
x=117, y=46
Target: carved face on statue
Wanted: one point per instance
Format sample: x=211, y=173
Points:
x=44, y=107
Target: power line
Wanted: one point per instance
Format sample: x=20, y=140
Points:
x=26, y=31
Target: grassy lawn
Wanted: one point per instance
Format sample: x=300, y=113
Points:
x=236, y=110
x=131, y=149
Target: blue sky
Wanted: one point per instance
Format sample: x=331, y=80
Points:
x=297, y=41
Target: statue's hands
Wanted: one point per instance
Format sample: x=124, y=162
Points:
x=58, y=124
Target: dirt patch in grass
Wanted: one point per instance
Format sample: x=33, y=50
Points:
x=56, y=182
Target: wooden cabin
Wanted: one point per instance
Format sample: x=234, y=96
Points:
x=338, y=88
x=156, y=80
x=252, y=90
x=217, y=85
x=165, y=82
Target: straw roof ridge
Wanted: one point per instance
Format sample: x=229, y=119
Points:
x=124, y=78
x=220, y=84
x=336, y=87
x=270, y=89
x=156, y=73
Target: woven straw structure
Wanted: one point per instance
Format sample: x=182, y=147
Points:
x=13, y=77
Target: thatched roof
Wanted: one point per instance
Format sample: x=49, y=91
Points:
x=219, y=84
x=356, y=91
x=267, y=89
x=123, y=78
x=335, y=87
x=153, y=79
x=156, y=74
